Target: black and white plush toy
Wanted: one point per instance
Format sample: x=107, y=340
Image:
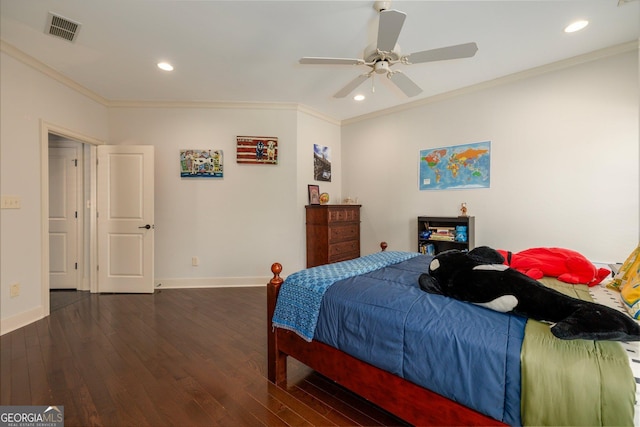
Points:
x=480, y=277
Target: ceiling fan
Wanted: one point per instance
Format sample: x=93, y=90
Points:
x=383, y=54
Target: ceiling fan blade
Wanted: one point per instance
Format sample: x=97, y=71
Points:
x=466, y=50
x=331, y=61
x=351, y=86
x=405, y=84
x=389, y=27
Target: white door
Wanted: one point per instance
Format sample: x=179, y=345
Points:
x=125, y=218
x=63, y=218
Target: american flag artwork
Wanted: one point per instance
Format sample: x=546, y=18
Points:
x=257, y=150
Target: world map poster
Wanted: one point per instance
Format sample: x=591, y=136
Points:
x=457, y=167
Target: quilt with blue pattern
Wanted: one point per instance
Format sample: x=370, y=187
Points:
x=301, y=293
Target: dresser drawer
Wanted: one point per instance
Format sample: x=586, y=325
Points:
x=344, y=257
x=344, y=214
x=344, y=249
x=333, y=233
x=341, y=233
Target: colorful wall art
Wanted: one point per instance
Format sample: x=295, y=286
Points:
x=201, y=164
x=457, y=167
x=257, y=150
x=321, y=163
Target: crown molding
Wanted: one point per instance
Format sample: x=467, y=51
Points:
x=565, y=63
x=532, y=72
x=310, y=111
x=203, y=104
x=225, y=105
x=49, y=72
x=57, y=76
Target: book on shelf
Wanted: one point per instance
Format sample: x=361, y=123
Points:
x=442, y=229
x=427, y=249
x=446, y=238
x=442, y=233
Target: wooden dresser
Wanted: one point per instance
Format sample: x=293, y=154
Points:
x=333, y=233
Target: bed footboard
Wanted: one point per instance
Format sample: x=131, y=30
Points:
x=402, y=398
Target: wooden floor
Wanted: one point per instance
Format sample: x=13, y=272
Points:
x=60, y=298
x=189, y=357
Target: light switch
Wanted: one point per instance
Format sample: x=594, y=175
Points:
x=10, y=202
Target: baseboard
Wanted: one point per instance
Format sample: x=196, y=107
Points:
x=210, y=282
x=22, y=319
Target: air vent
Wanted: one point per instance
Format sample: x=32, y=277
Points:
x=59, y=26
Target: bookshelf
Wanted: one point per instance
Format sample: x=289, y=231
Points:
x=437, y=233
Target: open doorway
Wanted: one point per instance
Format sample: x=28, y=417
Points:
x=68, y=216
x=68, y=255
x=120, y=166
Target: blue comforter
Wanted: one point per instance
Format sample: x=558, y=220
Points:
x=300, y=296
x=466, y=353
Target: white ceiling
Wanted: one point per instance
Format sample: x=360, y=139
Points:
x=248, y=51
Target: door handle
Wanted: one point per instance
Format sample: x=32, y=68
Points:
x=146, y=226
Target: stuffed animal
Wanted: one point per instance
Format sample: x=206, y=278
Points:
x=566, y=265
x=480, y=277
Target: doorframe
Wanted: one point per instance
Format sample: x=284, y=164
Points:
x=45, y=129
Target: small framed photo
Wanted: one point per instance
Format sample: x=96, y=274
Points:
x=314, y=194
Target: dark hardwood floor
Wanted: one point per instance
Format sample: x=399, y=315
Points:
x=192, y=357
x=60, y=298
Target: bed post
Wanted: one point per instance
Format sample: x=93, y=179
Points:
x=276, y=360
x=383, y=246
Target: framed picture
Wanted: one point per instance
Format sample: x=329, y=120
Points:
x=321, y=163
x=465, y=166
x=314, y=194
x=201, y=164
x=257, y=150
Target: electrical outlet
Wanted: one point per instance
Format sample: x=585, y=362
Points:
x=15, y=290
x=10, y=202
x=195, y=261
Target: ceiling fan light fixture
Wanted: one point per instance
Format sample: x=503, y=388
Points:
x=381, y=67
x=165, y=66
x=576, y=26
x=359, y=97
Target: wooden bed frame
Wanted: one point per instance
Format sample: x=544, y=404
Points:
x=404, y=399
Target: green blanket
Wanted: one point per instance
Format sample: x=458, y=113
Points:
x=600, y=389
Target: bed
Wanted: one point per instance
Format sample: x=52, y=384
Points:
x=412, y=381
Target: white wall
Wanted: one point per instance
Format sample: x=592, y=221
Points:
x=564, y=162
x=312, y=130
x=239, y=225
x=564, y=154
x=27, y=98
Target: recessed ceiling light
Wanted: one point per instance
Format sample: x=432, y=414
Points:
x=576, y=26
x=165, y=66
x=359, y=98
